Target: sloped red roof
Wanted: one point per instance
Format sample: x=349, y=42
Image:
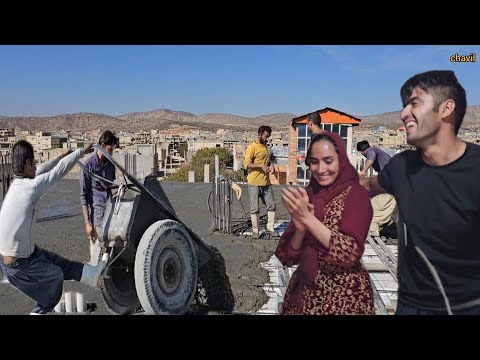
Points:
x=330, y=116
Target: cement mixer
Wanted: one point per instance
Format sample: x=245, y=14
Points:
x=156, y=262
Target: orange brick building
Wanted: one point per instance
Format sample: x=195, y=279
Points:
x=299, y=140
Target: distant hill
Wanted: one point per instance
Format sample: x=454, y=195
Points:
x=76, y=121
x=229, y=119
x=164, y=119
x=392, y=119
x=181, y=117
x=158, y=119
x=164, y=114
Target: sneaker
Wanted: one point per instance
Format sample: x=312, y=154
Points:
x=91, y=274
x=38, y=311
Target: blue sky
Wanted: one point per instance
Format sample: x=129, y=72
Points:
x=236, y=79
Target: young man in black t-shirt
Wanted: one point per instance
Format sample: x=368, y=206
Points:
x=438, y=198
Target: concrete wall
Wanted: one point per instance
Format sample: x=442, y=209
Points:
x=137, y=165
x=196, y=145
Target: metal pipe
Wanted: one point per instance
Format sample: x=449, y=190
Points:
x=217, y=166
x=214, y=208
x=230, y=208
x=220, y=208
x=224, y=197
x=218, y=203
x=223, y=206
x=227, y=207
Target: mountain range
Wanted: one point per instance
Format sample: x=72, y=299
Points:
x=392, y=119
x=164, y=119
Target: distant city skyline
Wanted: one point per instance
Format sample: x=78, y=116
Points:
x=242, y=80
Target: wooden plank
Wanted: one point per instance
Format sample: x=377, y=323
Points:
x=388, y=265
x=392, y=269
x=379, y=305
x=389, y=252
x=375, y=267
x=377, y=299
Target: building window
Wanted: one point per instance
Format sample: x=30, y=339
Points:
x=304, y=135
x=302, y=145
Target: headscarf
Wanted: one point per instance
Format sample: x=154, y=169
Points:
x=347, y=175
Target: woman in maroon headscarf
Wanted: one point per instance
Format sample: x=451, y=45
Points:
x=330, y=222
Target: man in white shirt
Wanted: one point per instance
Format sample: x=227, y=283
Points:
x=36, y=272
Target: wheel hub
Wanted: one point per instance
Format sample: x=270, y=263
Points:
x=169, y=271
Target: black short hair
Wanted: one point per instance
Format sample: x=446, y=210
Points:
x=363, y=145
x=442, y=85
x=108, y=138
x=315, y=118
x=264, y=128
x=21, y=152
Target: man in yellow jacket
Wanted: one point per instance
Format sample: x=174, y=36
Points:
x=257, y=162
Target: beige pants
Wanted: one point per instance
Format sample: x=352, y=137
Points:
x=384, y=211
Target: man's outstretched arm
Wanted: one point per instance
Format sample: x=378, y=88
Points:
x=50, y=164
x=46, y=181
x=367, y=166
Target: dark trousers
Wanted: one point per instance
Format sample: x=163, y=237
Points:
x=41, y=276
x=404, y=309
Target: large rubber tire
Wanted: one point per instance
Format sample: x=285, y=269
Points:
x=118, y=291
x=166, y=268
